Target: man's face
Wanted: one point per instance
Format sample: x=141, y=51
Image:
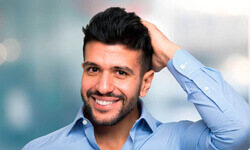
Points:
x=111, y=82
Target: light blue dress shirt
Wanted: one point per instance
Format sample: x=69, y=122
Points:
x=225, y=120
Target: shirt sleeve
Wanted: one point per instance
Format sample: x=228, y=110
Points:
x=225, y=120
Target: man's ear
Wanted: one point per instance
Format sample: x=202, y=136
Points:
x=146, y=82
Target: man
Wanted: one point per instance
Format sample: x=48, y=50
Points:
x=121, y=54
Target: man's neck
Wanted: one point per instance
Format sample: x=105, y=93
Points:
x=114, y=137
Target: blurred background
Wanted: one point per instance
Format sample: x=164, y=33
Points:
x=41, y=55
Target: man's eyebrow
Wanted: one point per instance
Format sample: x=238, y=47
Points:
x=125, y=68
x=87, y=63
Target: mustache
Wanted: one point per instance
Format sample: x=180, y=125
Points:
x=97, y=93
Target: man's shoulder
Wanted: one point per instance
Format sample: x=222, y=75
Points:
x=57, y=136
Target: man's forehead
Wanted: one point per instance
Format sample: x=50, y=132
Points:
x=95, y=48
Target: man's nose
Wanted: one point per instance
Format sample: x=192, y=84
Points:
x=105, y=83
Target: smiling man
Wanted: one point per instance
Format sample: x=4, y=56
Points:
x=110, y=83
x=121, y=54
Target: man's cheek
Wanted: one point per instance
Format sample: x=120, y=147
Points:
x=86, y=84
x=127, y=87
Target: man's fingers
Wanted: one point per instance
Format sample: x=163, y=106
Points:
x=143, y=21
x=147, y=24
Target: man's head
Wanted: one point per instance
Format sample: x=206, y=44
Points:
x=117, y=62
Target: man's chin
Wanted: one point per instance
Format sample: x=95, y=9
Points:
x=102, y=121
x=100, y=118
x=105, y=123
x=106, y=118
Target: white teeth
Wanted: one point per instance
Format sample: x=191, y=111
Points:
x=103, y=103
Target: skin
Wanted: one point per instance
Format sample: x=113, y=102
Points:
x=104, y=69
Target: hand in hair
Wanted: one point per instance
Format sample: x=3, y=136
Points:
x=163, y=48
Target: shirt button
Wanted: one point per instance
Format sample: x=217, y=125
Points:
x=182, y=66
x=84, y=122
x=206, y=88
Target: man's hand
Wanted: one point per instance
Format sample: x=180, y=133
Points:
x=164, y=49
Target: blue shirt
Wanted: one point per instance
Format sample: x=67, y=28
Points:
x=225, y=120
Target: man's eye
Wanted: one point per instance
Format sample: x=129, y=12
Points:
x=120, y=72
x=93, y=69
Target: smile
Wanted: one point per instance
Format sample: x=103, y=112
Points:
x=104, y=103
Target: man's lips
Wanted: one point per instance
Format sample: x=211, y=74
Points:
x=104, y=100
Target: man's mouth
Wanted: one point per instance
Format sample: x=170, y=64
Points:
x=105, y=101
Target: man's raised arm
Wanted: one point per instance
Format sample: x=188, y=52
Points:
x=225, y=114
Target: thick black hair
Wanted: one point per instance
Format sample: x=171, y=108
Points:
x=116, y=26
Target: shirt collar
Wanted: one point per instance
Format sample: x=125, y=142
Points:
x=79, y=117
x=144, y=115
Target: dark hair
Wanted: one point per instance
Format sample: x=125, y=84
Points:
x=116, y=26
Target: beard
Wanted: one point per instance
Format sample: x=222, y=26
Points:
x=127, y=106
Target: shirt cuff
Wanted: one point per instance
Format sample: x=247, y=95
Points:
x=184, y=63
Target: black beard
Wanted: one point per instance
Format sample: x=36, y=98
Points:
x=125, y=110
